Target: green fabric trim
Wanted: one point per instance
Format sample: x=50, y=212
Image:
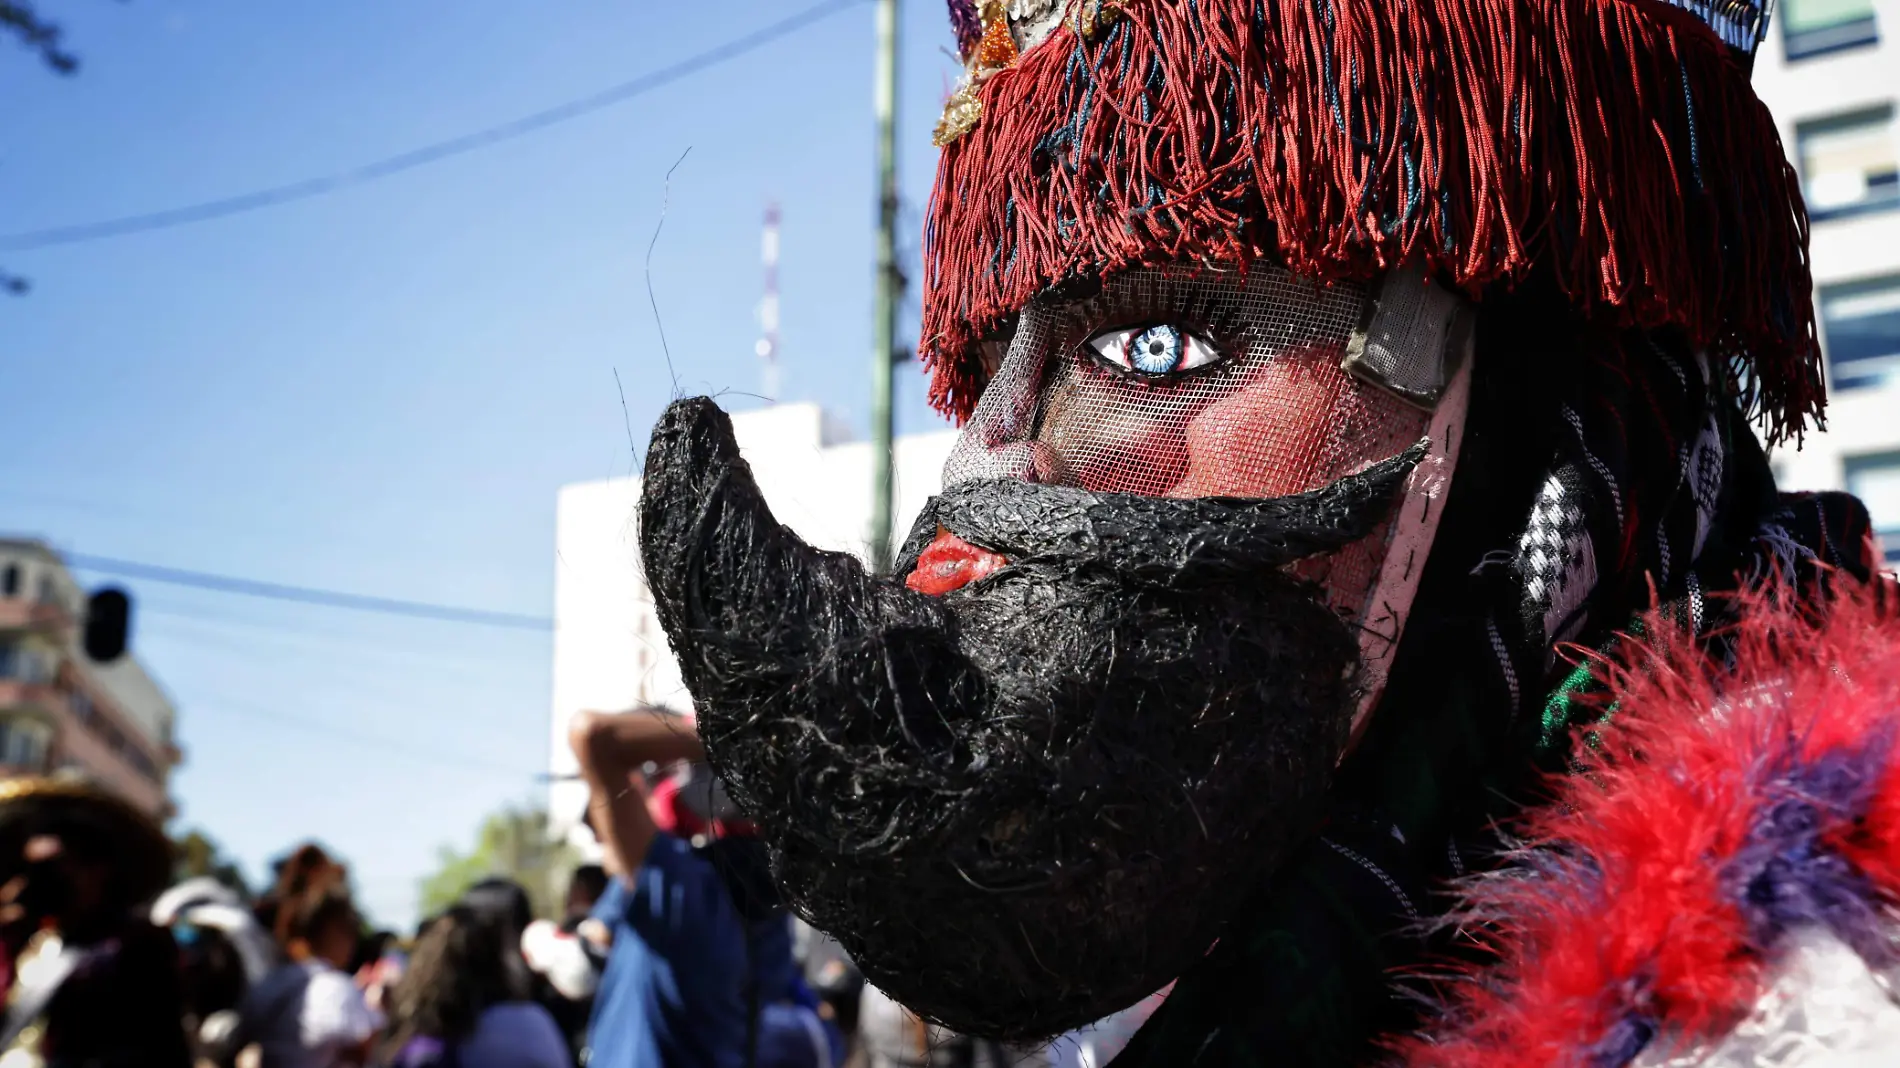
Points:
x=1563, y=707
x=1568, y=705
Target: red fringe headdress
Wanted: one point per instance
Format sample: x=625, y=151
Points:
x=1614, y=145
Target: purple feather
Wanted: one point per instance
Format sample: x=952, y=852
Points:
x=1785, y=877
x=1625, y=1039
x=968, y=27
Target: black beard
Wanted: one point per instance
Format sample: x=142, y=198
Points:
x=1029, y=803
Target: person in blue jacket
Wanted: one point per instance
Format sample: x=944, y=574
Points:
x=700, y=971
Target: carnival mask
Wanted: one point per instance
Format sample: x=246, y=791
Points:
x=1027, y=779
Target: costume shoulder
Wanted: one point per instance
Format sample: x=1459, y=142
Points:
x=1716, y=880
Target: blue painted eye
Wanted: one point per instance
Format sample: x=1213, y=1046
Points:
x=1162, y=349
x=1157, y=351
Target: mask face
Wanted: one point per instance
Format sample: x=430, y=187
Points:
x=1170, y=383
x=1029, y=801
x=1173, y=382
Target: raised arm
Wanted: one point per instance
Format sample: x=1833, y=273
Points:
x=611, y=749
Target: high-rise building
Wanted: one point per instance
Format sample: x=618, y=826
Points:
x=609, y=650
x=1830, y=73
x=62, y=710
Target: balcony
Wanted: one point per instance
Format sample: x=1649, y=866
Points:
x=36, y=698
x=94, y=738
x=44, y=616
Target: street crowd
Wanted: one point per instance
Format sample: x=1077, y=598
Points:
x=674, y=952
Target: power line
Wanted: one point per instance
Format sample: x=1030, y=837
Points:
x=342, y=680
x=382, y=744
x=277, y=591
x=297, y=638
x=455, y=146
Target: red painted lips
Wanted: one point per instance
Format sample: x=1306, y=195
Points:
x=950, y=563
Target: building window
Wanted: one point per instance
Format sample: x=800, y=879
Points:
x=82, y=707
x=22, y=745
x=1860, y=322
x=136, y=757
x=10, y=581
x=1850, y=163
x=1876, y=481
x=32, y=667
x=28, y=750
x=24, y=664
x=1812, y=28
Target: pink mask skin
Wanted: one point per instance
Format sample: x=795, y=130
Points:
x=1175, y=382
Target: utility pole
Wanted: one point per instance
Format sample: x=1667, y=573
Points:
x=884, y=322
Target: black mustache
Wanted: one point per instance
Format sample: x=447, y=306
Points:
x=1160, y=540
x=1033, y=801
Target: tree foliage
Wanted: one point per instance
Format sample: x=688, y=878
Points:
x=198, y=855
x=19, y=20
x=512, y=843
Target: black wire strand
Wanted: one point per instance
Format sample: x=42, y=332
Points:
x=278, y=591
x=420, y=157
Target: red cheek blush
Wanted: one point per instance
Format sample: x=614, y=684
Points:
x=1270, y=438
x=950, y=563
x=1115, y=445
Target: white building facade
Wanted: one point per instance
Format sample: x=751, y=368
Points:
x=609, y=651
x=1830, y=73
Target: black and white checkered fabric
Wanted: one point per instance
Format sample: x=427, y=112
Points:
x=1556, y=558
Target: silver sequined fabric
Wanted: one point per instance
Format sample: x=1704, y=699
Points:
x=1032, y=21
x=1824, y=1008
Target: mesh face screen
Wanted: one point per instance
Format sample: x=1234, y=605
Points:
x=1186, y=383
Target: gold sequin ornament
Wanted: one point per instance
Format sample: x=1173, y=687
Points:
x=995, y=51
x=961, y=113
x=1094, y=16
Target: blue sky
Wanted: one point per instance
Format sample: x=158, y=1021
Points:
x=381, y=389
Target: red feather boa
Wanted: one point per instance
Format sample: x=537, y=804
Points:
x=1638, y=913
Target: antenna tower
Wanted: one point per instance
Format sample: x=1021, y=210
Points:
x=767, y=348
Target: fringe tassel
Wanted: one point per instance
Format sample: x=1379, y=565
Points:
x=1615, y=144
